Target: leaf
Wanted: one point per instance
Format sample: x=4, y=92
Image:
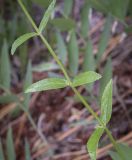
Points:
x=118, y=9
x=1, y=151
x=68, y=7
x=8, y=98
x=23, y=50
x=86, y=77
x=114, y=155
x=106, y=76
x=62, y=51
x=106, y=103
x=15, y=112
x=73, y=55
x=128, y=29
x=5, y=68
x=21, y=40
x=47, y=84
x=46, y=66
x=125, y=150
x=130, y=7
x=27, y=151
x=10, y=146
x=28, y=78
x=27, y=82
x=92, y=144
x=100, y=5
x=89, y=61
x=42, y=3
x=85, y=19
x=64, y=24
x=11, y=30
x=104, y=38
x=46, y=16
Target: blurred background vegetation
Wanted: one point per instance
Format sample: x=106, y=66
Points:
x=87, y=35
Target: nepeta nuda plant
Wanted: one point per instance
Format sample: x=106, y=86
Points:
x=78, y=80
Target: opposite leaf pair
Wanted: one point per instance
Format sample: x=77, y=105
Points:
x=55, y=83
x=39, y=30
x=106, y=110
x=81, y=79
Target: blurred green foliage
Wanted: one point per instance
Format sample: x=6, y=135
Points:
x=64, y=37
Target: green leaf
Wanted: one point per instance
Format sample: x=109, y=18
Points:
x=89, y=61
x=114, y=155
x=27, y=82
x=27, y=151
x=46, y=66
x=100, y=5
x=64, y=24
x=130, y=7
x=8, y=98
x=106, y=76
x=47, y=84
x=128, y=29
x=46, y=16
x=62, y=51
x=21, y=40
x=106, y=103
x=73, y=54
x=10, y=146
x=118, y=9
x=68, y=7
x=42, y=3
x=104, y=38
x=11, y=30
x=92, y=144
x=23, y=50
x=85, y=19
x=28, y=78
x=1, y=151
x=5, y=68
x=86, y=77
x=125, y=150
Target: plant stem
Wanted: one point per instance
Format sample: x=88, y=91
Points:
x=28, y=16
x=81, y=97
x=69, y=80
x=55, y=57
x=33, y=124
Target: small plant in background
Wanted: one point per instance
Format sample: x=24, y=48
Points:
x=10, y=149
x=78, y=80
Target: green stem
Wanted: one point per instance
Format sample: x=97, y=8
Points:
x=28, y=16
x=33, y=123
x=55, y=57
x=69, y=80
x=81, y=97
